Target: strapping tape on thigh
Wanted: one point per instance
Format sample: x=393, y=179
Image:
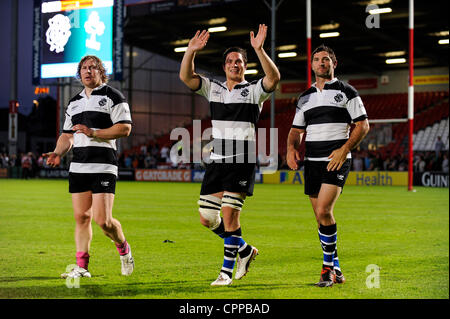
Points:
x=235, y=201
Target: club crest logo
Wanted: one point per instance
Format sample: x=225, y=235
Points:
x=102, y=102
x=245, y=92
x=339, y=98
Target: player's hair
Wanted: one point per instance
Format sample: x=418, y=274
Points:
x=235, y=49
x=100, y=67
x=323, y=47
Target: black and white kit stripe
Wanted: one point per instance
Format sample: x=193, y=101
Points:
x=105, y=107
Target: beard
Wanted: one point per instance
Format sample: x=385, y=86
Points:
x=326, y=74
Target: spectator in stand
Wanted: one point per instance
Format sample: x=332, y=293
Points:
x=13, y=162
x=386, y=163
x=439, y=146
x=128, y=161
x=367, y=159
x=135, y=163
x=150, y=161
x=143, y=149
x=155, y=151
x=26, y=162
x=358, y=164
x=164, y=153
x=444, y=166
x=421, y=164
x=375, y=163
x=40, y=161
x=5, y=160
x=402, y=163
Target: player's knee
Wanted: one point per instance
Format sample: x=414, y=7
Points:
x=209, y=209
x=83, y=217
x=233, y=200
x=204, y=221
x=323, y=213
x=106, y=224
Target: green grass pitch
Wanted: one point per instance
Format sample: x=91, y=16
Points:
x=406, y=234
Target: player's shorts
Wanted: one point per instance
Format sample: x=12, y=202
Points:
x=316, y=174
x=231, y=177
x=94, y=182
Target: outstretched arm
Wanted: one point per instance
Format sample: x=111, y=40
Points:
x=63, y=145
x=272, y=77
x=187, y=70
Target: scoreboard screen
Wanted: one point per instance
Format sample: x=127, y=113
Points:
x=65, y=31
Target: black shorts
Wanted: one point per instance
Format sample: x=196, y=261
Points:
x=94, y=182
x=231, y=177
x=316, y=174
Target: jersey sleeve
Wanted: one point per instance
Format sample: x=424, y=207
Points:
x=120, y=113
x=356, y=109
x=205, y=87
x=259, y=92
x=120, y=110
x=68, y=125
x=299, y=118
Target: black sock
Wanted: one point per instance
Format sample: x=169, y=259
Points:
x=327, y=237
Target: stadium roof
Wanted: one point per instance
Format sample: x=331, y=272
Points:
x=156, y=26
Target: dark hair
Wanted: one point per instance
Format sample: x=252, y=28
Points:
x=323, y=47
x=235, y=49
x=100, y=67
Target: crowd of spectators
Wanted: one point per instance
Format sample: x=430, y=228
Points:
x=153, y=156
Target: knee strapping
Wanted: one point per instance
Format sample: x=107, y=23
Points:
x=235, y=201
x=209, y=208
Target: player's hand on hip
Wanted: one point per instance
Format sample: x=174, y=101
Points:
x=338, y=158
x=198, y=42
x=258, y=41
x=53, y=159
x=80, y=128
x=292, y=157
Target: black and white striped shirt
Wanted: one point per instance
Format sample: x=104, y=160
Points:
x=326, y=116
x=234, y=115
x=105, y=107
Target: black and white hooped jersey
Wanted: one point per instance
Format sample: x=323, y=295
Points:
x=234, y=115
x=326, y=116
x=105, y=107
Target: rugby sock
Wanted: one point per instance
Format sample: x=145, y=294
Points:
x=336, y=260
x=82, y=259
x=328, y=236
x=231, y=246
x=244, y=249
x=123, y=248
x=220, y=230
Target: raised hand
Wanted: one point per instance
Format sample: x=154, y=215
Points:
x=199, y=41
x=258, y=41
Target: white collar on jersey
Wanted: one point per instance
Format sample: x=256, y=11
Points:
x=328, y=82
x=83, y=93
x=242, y=83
